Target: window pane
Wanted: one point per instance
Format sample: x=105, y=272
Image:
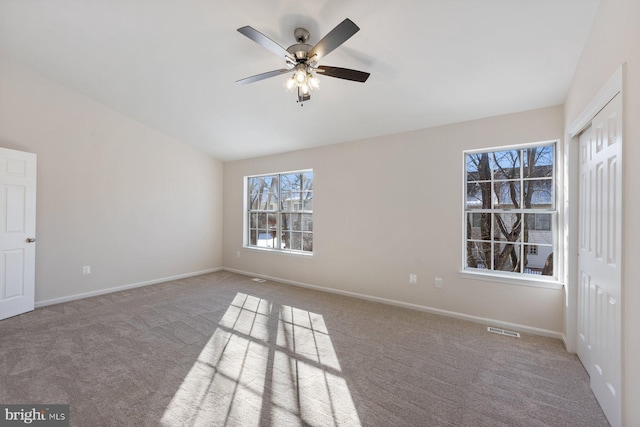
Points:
x=254, y=199
x=478, y=254
x=306, y=222
x=307, y=181
x=548, y=269
x=506, y=164
x=507, y=194
x=291, y=202
x=307, y=201
x=263, y=220
x=539, y=226
x=507, y=226
x=472, y=167
x=543, y=222
x=506, y=257
x=537, y=257
x=268, y=202
x=296, y=220
x=291, y=222
x=286, y=240
x=478, y=195
x=267, y=239
x=285, y=221
x=474, y=220
x=530, y=222
x=480, y=226
x=295, y=204
x=538, y=162
x=295, y=241
x=285, y=201
x=307, y=242
x=538, y=193
x=291, y=182
x=263, y=192
x=478, y=167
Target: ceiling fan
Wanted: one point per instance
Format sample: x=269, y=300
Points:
x=302, y=59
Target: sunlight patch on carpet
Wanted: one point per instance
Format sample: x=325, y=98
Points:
x=265, y=363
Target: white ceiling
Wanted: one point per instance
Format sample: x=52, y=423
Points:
x=173, y=64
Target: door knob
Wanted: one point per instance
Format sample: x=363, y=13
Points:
x=31, y=240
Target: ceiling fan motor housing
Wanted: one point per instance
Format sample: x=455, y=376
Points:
x=300, y=49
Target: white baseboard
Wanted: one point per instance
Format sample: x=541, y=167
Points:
x=426, y=309
x=74, y=297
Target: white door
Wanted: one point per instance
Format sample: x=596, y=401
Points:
x=599, y=292
x=17, y=232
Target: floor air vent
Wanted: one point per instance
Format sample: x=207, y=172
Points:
x=259, y=280
x=503, y=332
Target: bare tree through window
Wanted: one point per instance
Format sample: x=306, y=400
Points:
x=510, y=208
x=280, y=210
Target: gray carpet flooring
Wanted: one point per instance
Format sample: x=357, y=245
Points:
x=222, y=350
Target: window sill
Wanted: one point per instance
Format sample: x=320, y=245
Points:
x=278, y=251
x=509, y=279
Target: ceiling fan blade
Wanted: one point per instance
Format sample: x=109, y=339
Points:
x=343, y=73
x=265, y=42
x=263, y=76
x=340, y=34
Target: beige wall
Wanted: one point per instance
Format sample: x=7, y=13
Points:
x=107, y=184
x=615, y=40
x=390, y=206
x=135, y=205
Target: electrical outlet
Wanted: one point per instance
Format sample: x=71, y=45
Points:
x=413, y=278
x=86, y=269
x=237, y=254
x=437, y=282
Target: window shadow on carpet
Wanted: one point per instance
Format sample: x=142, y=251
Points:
x=265, y=364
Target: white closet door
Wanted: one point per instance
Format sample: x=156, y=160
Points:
x=599, y=292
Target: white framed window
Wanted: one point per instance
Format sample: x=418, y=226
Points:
x=510, y=216
x=280, y=211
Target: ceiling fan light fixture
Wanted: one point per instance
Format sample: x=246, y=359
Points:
x=291, y=83
x=301, y=76
x=303, y=80
x=314, y=82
